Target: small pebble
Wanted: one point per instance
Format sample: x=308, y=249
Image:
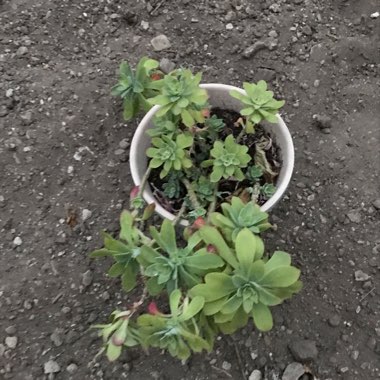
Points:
x=51, y=367
x=361, y=276
x=226, y=366
x=255, y=375
x=160, y=42
x=87, y=278
x=71, y=368
x=334, y=320
x=17, y=241
x=11, y=330
x=376, y=204
x=124, y=144
x=86, y=214
x=22, y=50
x=293, y=371
x=303, y=350
x=11, y=341
x=166, y=65
x=144, y=25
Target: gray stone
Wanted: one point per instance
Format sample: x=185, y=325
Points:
x=354, y=216
x=86, y=214
x=334, y=320
x=51, y=367
x=71, y=368
x=322, y=121
x=27, y=117
x=22, y=50
x=17, y=241
x=3, y=111
x=119, y=152
x=307, y=30
x=231, y=15
x=56, y=338
x=376, y=204
x=144, y=25
x=160, y=42
x=303, y=350
x=293, y=371
x=226, y=366
x=361, y=276
x=124, y=144
x=11, y=330
x=166, y=65
x=11, y=341
x=250, y=51
x=255, y=375
x=87, y=278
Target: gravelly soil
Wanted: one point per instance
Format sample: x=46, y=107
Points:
x=60, y=154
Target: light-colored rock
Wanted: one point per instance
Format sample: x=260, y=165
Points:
x=71, y=368
x=86, y=214
x=144, y=25
x=166, y=65
x=354, y=216
x=361, y=276
x=160, y=42
x=51, y=367
x=17, y=241
x=293, y=371
x=87, y=278
x=22, y=50
x=11, y=342
x=255, y=375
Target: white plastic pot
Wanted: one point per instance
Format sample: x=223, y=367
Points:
x=218, y=97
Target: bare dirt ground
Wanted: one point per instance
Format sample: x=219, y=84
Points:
x=64, y=152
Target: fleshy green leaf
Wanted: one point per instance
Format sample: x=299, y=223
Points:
x=245, y=246
x=217, y=285
x=262, y=317
x=212, y=236
x=204, y=261
x=194, y=307
x=280, y=277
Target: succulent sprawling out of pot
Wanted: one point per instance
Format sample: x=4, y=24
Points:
x=214, y=275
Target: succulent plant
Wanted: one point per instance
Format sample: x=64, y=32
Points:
x=172, y=267
x=228, y=159
x=181, y=95
x=166, y=125
x=251, y=287
x=120, y=332
x=123, y=251
x=136, y=87
x=169, y=153
x=213, y=126
x=172, y=187
x=237, y=216
x=254, y=173
x=260, y=104
x=268, y=190
x=179, y=332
